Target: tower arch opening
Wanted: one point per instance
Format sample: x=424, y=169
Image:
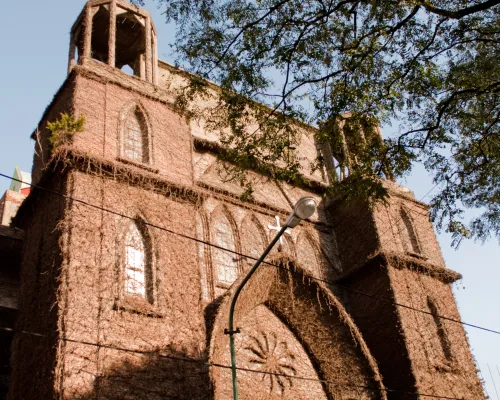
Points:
x=130, y=44
x=118, y=34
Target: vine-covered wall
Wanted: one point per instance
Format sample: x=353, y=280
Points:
x=137, y=235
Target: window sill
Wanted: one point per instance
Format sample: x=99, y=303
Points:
x=223, y=285
x=137, y=306
x=138, y=165
x=443, y=366
x=416, y=255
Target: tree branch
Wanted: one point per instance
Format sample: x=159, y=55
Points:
x=460, y=13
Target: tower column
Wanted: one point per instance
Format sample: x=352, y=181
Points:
x=112, y=34
x=72, y=52
x=149, y=55
x=118, y=34
x=155, y=57
x=87, y=34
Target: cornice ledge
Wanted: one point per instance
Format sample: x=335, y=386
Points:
x=66, y=157
x=402, y=261
x=225, y=155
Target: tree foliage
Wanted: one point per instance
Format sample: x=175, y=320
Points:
x=64, y=128
x=431, y=65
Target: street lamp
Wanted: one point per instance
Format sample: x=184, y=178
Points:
x=303, y=209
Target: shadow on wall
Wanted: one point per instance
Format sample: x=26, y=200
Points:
x=5, y=370
x=365, y=282
x=129, y=375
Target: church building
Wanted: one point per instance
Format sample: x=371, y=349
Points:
x=131, y=242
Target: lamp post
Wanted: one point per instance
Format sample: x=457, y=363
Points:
x=303, y=209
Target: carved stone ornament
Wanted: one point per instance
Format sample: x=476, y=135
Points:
x=271, y=356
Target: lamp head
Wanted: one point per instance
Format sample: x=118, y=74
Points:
x=303, y=209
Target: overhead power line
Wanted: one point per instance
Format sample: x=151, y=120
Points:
x=83, y=202
x=222, y=366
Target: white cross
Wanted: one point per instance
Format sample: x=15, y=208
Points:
x=278, y=227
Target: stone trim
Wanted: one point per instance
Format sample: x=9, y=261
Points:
x=400, y=261
x=133, y=174
x=220, y=151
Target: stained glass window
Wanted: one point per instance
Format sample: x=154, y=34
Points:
x=135, y=263
x=135, y=146
x=226, y=263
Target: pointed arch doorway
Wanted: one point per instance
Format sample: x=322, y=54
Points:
x=296, y=342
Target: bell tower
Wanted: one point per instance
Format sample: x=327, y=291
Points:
x=118, y=34
x=397, y=288
x=394, y=281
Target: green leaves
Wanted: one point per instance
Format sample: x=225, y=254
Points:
x=432, y=66
x=63, y=129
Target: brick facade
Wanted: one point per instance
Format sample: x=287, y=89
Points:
x=306, y=332
x=9, y=204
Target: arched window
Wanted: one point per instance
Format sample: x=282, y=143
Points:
x=136, y=138
x=253, y=241
x=410, y=239
x=307, y=254
x=204, y=255
x=137, y=265
x=285, y=246
x=225, y=262
x=441, y=332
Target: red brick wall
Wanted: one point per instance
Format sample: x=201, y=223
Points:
x=97, y=342
x=62, y=103
x=9, y=205
x=34, y=353
x=105, y=105
x=434, y=373
x=97, y=312
x=413, y=349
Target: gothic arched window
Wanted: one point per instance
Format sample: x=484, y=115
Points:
x=137, y=264
x=307, y=254
x=410, y=238
x=204, y=255
x=285, y=246
x=441, y=332
x=253, y=241
x=136, y=138
x=225, y=262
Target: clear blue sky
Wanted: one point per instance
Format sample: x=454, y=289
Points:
x=34, y=46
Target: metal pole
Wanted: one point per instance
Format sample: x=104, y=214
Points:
x=231, y=331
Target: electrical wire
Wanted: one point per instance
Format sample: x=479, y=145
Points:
x=493, y=381
x=83, y=202
x=222, y=366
